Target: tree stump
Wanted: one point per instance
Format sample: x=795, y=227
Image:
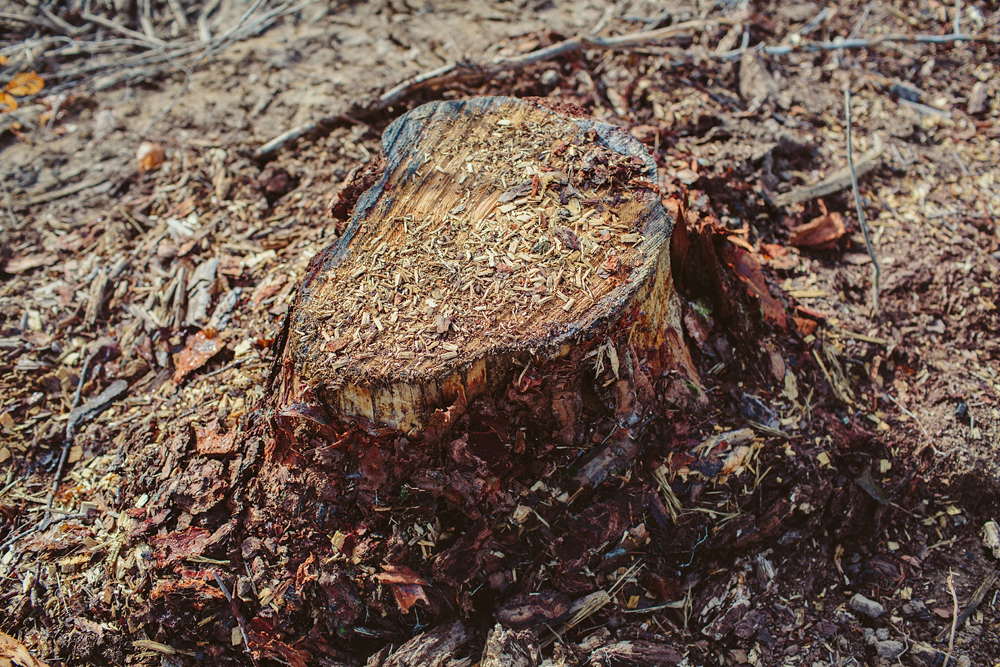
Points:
x=503, y=242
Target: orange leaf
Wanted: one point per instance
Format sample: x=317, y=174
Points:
x=820, y=233
x=7, y=102
x=25, y=83
x=3, y=60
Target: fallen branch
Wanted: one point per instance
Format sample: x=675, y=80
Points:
x=471, y=71
x=837, y=181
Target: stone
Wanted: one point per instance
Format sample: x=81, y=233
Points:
x=890, y=649
x=862, y=605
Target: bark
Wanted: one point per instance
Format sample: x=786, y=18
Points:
x=511, y=648
x=437, y=648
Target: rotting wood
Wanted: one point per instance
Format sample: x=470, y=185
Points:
x=502, y=237
x=435, y=648
x=511, y=648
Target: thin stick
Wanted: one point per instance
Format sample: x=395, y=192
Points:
x=877, y=270
x=861, y=21
x=117, y=27
x=239, y=617
x=954, y=617
x=68, y=438
x=465, y=71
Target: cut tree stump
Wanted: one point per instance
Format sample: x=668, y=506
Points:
x=503, y=241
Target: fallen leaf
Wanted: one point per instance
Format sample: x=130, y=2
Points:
x=200, y=347
x=407, y=586
x=25, y=83
x=748, y=269
x=7, y=102
x=819, y=233
x=805, y=326
x=408, y=595
x=13, y=652
x=149, y=156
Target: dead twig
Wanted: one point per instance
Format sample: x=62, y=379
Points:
x=239, y=617
x=117, y=27
x=839, y=45
x=876, y=268
x=973, y=604
x=837, y=181
x=471, y=71
x=954, y=617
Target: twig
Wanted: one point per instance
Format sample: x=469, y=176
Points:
x=877, y=270
x=973, y=604
x=117, y=27
x=954, y=617
x=861, y=21
x=217, y=44
x=838, y=45
x=239, y=617
x=68, y=438
x=471, y=71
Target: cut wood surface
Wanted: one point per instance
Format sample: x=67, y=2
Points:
x=500, y=234
x=436, y=648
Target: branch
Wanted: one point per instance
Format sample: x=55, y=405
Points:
x=472, y=71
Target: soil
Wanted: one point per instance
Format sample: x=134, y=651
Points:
x=870, y=465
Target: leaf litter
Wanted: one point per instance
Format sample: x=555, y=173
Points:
x=795, y=525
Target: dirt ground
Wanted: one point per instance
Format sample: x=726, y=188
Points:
x=872, y=464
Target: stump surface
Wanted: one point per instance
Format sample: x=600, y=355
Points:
x=499, y=231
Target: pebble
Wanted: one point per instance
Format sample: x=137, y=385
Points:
x=863, y=605
x=890, y=649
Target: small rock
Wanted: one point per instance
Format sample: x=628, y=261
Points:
x=869, y=636
x=274, y=182
x=863, y=605
x=978, y=99
x=890, y=649
x=925, y=654
x=882, y=634
x=550, y=77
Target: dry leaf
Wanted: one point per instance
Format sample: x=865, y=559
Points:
x=804, y=325
x=200, y=348
x=150, y=156
x=820, y=233
x=13, y=652
x=25, y=83
x=7, y=102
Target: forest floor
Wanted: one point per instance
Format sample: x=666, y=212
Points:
x=140, y=300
